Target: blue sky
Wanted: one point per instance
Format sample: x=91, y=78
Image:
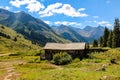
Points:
x=77, y=13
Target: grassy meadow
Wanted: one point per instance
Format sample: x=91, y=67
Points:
x=96, y=67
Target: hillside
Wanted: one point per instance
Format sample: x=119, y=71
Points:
x=32, y=28
x=10, y=40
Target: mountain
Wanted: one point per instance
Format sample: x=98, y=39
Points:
x=39, y=32
x=69, y=33
x=88, y=28
x=32, y=28
x=10, y=40
x=87, y=34
x=91, y=33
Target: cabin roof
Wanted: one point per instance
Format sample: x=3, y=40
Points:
x=65, y=46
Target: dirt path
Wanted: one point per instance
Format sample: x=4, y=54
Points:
x=10, y=73
x=8, y=68
x=5, y=54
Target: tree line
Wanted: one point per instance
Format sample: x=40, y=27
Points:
x=110, y=38
x=5, y=35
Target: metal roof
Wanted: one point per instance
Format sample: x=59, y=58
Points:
x=65, y=46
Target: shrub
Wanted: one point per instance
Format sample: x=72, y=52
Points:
x=76, y=60
x=62, y=58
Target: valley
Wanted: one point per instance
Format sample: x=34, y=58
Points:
x=23, y=38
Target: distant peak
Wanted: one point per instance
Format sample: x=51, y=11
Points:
x=87, y=28
x=100, y=26
x=22, y=12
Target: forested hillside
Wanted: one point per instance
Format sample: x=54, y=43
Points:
x=10, y=40
x=110, y=38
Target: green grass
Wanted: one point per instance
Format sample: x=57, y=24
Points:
x=1, y=72
x=76, y=70
x=83, y=73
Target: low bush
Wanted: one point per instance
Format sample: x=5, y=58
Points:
x=62, y=58
x=76, y=60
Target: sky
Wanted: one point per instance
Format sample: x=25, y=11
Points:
x=76, y=13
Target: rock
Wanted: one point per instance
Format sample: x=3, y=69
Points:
x=20, y=63
x=113, y=61
x=104, y=65
x=101, y=69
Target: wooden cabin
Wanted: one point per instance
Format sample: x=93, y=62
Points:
x=74, y=49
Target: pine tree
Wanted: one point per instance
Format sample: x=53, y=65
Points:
x=88, y=45
x=105, y=37
x=101, y=41
x=15, y=39
x=95, y=43
x=109, y=42
x=116, y=34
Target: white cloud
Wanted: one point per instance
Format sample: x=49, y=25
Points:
x=34, y=7
x=67, y=23
x=49, y=11
x=74, y=24
x=104, y=23
x=96, y=17
x=18, y=3
x=6, y=7
x=81, y=9
x=31, y=5
x=59, y=8
x=47, y=22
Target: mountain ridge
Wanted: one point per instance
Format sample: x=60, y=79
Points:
x=39, y=32
x=68, y=33
x=87, y=34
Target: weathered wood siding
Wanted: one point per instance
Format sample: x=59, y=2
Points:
x=74, y=53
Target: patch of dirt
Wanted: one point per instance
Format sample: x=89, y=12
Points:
x=5, y=54
x=56, y=66
x=9, y=69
